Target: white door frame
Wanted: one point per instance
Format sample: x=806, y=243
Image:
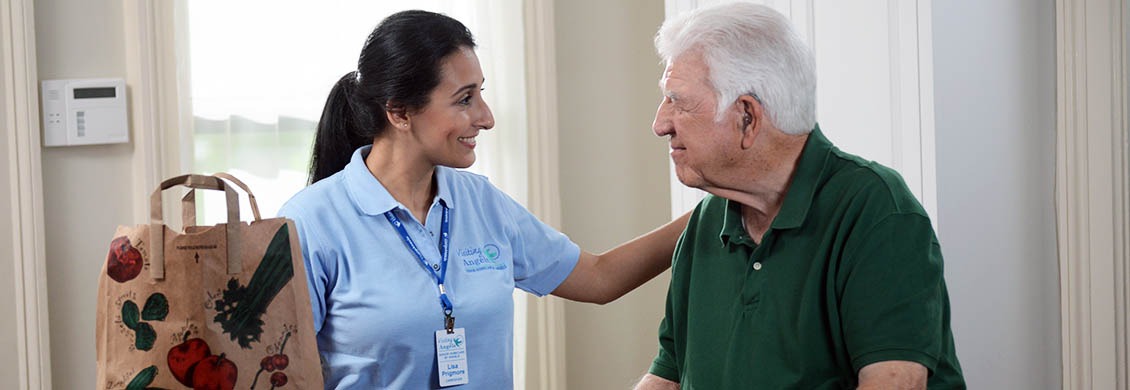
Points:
x=19, y=113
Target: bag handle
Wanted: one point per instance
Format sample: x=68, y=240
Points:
x=188, y=202
x=157, y=223
x=188, y=209
x=250, y=196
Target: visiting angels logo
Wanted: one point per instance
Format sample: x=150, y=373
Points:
x=486, y=257
x=490, y=251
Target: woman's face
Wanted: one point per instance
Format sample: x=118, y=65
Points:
x=446, y=128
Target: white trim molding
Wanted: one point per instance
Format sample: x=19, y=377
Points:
x=152, y=78
x=1092, y=196
x=19, y=113
x=545, y=349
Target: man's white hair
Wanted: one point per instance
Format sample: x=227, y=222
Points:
x=750, y=50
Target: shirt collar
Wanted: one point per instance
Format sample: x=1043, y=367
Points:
x=798, y=199
x=809, y=173
x=732, y=228
x=371, y=197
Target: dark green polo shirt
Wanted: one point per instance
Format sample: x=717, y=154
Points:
x=849, y=274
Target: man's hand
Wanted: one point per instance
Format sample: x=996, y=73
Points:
x=652, y=382
x=895, y=374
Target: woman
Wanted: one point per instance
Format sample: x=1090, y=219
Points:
x=407, y=256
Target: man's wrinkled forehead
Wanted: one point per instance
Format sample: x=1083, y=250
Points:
x=688, y=67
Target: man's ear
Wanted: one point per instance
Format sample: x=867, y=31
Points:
x=751, y=113
x=397, y=116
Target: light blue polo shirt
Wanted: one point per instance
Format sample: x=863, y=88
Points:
x=376, y=308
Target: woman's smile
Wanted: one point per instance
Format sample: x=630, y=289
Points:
x=468, y=141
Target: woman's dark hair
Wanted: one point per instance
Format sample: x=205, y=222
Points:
x=399, y=66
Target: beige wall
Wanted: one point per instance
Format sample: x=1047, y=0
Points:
x=87, y=189
x=614, y=175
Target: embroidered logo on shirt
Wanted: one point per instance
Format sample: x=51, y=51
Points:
x=491, y=251
x=487, y=257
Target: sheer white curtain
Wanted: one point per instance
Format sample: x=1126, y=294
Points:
x=261, y=70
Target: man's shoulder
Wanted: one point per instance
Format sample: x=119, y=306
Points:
x=870, y=183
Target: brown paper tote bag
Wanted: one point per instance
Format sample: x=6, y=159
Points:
x=213, y=307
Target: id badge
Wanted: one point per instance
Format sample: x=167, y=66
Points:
x=451, y=352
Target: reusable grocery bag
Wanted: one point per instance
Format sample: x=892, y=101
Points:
x=210, y=307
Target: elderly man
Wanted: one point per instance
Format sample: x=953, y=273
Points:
x=805, y=267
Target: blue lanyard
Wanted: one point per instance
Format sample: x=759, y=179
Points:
x=445, y=239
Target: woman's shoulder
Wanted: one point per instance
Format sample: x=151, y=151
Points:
x=467, y=181
x=462, y=176
x=468, y=187
x=314, y=197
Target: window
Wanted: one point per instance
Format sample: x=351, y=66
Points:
x=260, y=72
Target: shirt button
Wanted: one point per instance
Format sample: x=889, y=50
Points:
x=757, y=266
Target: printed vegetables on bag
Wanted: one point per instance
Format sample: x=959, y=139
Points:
x=241, y=307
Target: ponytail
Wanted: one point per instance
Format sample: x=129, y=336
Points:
x=344, y=127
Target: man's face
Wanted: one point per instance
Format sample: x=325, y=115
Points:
x=700, y=147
